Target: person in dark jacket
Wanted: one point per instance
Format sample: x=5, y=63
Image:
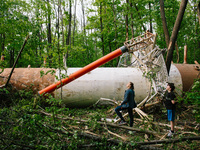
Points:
x=170, y=106
x=128, y=103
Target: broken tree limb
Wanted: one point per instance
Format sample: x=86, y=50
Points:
x=121, y=137
x=102, y=123
x=164, y=136
x=160, y=124
x=106, y=100
x=99, y=138
x=174, y=34
x=189, y=133
x=140, y=113
x=16, y=60
x=169, y=141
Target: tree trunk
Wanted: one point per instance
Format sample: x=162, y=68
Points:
x=83, y=11
x=126, y=20
x=49, y=33
x=12, y=55
x=3, y=37
x=115, y=26
x=164, y=22
x=150, y=19
x=62, y=28
x=84, y=30
x=68, y=40
x=132, y=30
x=101, y=22
x=198, y=12
x=175, y=34
x=74, y=22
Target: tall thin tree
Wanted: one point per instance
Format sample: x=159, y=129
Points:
x=174, y=35
x=68, y=39
x=126, y=19
x=49, y=32
x=74, y=28
x=164, y=22
x=132, y=29
x=101, y=23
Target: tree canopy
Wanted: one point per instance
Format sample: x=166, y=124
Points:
x=61, y=36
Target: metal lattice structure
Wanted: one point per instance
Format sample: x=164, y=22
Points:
x=145, y=55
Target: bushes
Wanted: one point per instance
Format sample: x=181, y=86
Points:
x=192, y=98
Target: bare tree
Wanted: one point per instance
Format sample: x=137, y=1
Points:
x=174, y=35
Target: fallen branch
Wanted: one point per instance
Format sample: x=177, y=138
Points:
x=169, y=141
x=109, y=124
x=121, y=137
x=140, y=113
x=17, y=143
x=106, y=100
x=137, y=144
x=16, y=60
x=160, y=124
x=189, y=133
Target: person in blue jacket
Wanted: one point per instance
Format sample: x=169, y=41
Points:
x=128, y=103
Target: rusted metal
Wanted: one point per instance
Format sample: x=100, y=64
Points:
x=27, y=78
x=101, y=82
x=185, y=54
x=146, y=69
x=188, y=74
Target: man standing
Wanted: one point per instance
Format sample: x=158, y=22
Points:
x=128, y=103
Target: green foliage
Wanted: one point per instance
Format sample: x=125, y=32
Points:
x=193, y=98
x=18, y=18
x=29, y=123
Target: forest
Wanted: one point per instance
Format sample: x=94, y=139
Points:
x=73, y=33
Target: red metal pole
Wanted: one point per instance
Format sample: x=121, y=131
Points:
x=84, y=70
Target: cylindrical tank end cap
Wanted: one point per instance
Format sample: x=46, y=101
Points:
x=39, y=94
x=124, y=49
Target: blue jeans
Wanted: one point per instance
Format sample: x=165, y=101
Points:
x=130, y=113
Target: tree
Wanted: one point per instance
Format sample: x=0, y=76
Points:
x=68, y=39
x=175, y=34
x=198, y=11
x=164, y=22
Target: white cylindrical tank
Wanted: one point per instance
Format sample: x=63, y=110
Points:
x=109, y=83
x=102, y=83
